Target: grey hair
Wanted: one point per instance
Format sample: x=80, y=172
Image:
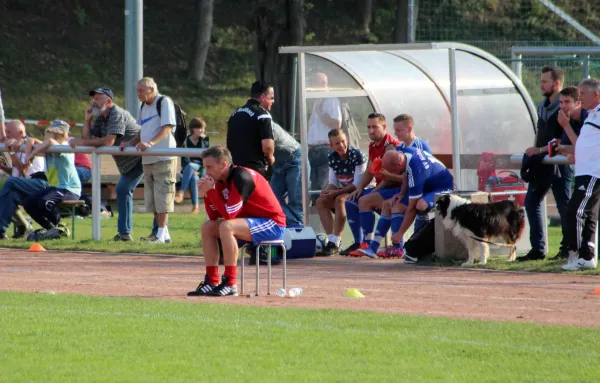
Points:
x=149, y=83
x=591, y=83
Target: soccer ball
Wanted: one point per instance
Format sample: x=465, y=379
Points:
x=321, y=241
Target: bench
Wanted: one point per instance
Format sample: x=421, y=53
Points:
x=71, y=205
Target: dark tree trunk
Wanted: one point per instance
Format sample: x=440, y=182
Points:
x=401, y=32
x=202, y=40
x=367, y=12
x=276, y=26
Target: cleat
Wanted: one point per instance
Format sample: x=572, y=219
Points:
x=203, y=288
x=224, y=289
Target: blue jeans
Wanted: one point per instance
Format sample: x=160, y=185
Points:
x=286, y=181
x=189, y=179
x=84, y=174
x=536, y=191
x=13, y=193
x=125, y=187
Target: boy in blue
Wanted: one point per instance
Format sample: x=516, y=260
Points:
x=424, y=177
x=64, y=184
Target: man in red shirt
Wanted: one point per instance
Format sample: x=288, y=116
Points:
x=241, y=207
x=362, y=202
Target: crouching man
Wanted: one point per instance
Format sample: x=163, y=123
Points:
x=241, y=207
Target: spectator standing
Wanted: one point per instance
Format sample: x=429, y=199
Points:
x=249, y=130
x=191, y=167
x=555, y=177
x=286, y=180
x=111, y=127
x=570, y=117
x=582, y=216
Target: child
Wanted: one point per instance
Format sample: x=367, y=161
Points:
x=64, y=184
x=192, y=166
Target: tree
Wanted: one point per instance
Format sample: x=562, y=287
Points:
x=277, y=23
x=202, y=39
x=401, y=32
x=367, y=11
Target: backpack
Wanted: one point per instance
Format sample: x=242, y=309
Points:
x=349, y=126
x=422, y=242
x=180, y=123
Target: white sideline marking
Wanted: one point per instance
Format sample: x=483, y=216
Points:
x=330, y=328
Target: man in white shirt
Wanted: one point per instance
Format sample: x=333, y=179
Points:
x=157, y=119
x=326, y=115
x=582, y=212
x=26, y=179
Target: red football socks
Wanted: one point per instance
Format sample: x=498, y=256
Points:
x=213, y=274
x=230, y=272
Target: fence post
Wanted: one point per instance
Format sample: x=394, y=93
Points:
x=96, y=197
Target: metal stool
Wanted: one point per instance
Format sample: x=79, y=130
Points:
x=71, y=205
x=269, y=245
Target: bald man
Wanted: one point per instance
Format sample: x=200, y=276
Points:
x=26, y=179
x=424, y=177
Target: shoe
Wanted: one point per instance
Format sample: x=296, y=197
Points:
x=410, y=259
x=152, y=238
x=329, y=250
x=122, y=237
x=203, y=288
x=533, y=255
x=580, y=264
x=364, y=252
x=64, y=229
x=179, y=197
x=562, y=254
x=353, y=247
x=224, y=289
x=22, y=232
x=195, y=209
x=392, y=252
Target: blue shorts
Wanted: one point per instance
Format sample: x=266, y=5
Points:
x=428, y=197
x=384, y=193
x=264, y=229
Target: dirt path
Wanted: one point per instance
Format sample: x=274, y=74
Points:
x=389, y=286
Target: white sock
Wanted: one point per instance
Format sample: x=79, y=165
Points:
x=167, y=234
x=334, y=239
x=161, y=233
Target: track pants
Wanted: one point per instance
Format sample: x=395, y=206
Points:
x=582, y=216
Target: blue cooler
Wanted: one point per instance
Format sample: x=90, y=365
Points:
x=300, y=242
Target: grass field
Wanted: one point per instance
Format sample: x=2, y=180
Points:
x=59, y=338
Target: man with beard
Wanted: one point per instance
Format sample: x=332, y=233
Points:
x=546, y=177
x=112, y=126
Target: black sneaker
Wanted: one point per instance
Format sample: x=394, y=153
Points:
x=224, y=289
x=353, y=247
x=153, y=238
x=533, y=255
x=562, y=254
x=203, y=289
x=122, y=237
x=329, y=250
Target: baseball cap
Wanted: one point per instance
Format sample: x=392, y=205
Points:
x=59, y=124
x=104, y=91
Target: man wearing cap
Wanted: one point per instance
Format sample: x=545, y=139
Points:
x=112, y=126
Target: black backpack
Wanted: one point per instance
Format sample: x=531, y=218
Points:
x=181, y=125
x=422, y=242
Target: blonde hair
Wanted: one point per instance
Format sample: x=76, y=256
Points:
x=55, y=134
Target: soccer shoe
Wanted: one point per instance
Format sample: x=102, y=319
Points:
x=392, y=252
x=364, y=252
x=581, y=264
x=329, y=250
x=203, y=288
x=152, y=237
x=224, y=289
x=350, y=249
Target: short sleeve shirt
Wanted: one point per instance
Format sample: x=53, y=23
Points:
x=417, y=143
x=151, y=123
x=425, y=173
x=586, y=150
x=61, y=172
x=344, y=169
x=377, y=151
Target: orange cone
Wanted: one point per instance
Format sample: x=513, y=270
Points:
x=36, y=247
x=596, y=292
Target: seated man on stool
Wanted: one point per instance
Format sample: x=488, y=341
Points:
x=241, y=207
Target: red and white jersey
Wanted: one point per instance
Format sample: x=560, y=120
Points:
x=377, y=151
x=245, y=194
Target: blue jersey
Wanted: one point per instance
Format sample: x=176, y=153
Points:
x=425, y=173
x=417, y=144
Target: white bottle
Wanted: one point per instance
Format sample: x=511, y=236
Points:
x=295, y=292
x=281, y=292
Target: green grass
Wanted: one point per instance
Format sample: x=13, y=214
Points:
x=59, y=338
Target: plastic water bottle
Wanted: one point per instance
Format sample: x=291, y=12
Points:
x=281, y=292
x=295, y=292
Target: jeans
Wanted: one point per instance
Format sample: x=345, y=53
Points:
x=287, y=182
x=536, y=191
x=125, y=187
x=319, y=167
x=13, y=193
x=189, y=179
x=84, y=174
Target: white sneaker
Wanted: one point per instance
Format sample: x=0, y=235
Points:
x=581, y=264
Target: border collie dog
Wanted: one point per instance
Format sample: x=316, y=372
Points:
x=485, y=221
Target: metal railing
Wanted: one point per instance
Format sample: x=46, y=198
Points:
x=115, y=151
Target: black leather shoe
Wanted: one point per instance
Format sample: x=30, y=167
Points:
x=533, y=255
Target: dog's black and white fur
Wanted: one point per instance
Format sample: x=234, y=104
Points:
x=486, y=221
